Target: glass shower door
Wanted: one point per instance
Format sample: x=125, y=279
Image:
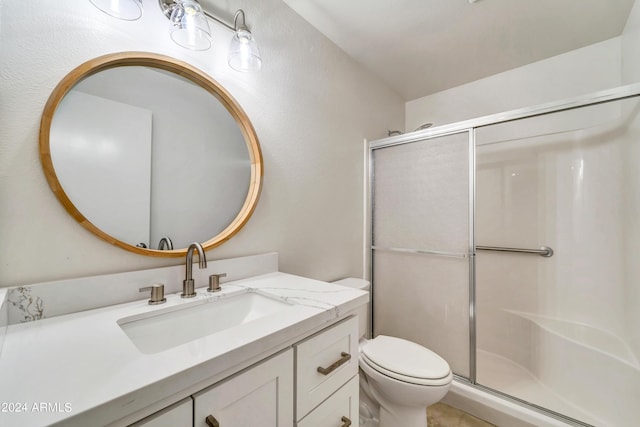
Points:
x=420, y=239
x=560, y=332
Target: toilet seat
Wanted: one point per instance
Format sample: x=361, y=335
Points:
x=405, y=361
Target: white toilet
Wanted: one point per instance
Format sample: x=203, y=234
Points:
x=398, y=378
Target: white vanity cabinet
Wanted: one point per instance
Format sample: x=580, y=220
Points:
x=179, y=414
x=261, y=396
x=327, y=377
x=323, y=368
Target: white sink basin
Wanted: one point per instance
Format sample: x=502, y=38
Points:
x=160, y=330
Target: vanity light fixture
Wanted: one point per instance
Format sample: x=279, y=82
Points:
x=127, y=10
x=243, y=51
x=189, y=28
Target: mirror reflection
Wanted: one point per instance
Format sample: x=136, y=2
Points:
x=151, y=159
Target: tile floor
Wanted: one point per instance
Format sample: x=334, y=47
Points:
x=441, y=415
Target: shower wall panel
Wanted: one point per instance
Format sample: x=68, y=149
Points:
x=631, y=225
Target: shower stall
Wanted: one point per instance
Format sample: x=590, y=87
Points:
x=510, y=245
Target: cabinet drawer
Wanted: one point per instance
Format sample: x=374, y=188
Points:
x=341, y=409
x=334, y=351
x=176, y=415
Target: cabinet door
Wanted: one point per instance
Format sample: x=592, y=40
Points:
x=261, y=396
x=177, y=415
x=340, y=409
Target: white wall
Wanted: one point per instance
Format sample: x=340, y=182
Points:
x=311, y=107
x=578, y=72
x=630, y=45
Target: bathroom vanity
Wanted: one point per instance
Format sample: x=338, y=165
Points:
x=270, y=349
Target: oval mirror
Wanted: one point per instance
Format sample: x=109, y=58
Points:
x=150, y=154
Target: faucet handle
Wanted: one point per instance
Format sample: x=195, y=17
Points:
x=214, y=282
x=157, y=293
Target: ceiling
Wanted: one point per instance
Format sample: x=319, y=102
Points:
x=419, y=47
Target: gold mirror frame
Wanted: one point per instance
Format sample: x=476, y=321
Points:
x=184, y=70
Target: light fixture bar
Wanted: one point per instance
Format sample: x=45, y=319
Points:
x=219, y=21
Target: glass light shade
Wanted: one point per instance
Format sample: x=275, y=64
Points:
x=243, y=52
x=127, y=10
x=189, y=26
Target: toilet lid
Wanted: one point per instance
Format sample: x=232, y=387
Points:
x=404, y=359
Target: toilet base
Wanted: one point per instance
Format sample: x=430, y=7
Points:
x=403, y=416
x=393, y=412
x=374, y=414
x=369, y=408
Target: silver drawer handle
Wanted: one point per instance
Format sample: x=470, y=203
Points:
x=346, y=421
x=335, y=365
x=212, y=422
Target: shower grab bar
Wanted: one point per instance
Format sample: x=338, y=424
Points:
x=420, y=251
x=544, y=251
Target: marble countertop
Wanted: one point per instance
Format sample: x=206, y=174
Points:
x=82, y=369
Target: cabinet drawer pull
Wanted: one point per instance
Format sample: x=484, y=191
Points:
x=212, y=422
x=346, y=421
x=344, y=359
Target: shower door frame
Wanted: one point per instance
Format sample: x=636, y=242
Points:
x=470, y=126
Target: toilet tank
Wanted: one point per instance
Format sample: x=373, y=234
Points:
x=363, y=311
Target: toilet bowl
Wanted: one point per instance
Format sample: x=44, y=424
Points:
x=398, y=378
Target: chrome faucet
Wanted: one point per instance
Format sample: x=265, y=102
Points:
x=188, y=285
x=165, y=243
